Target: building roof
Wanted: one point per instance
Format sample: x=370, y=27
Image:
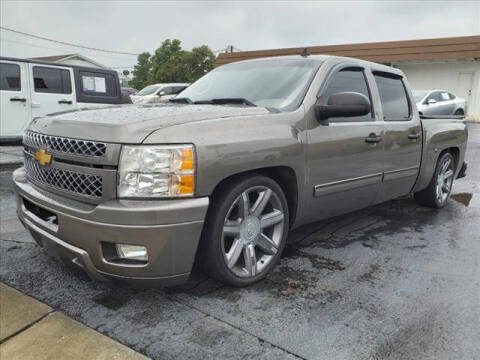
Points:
x=60, y=58
x=52, y=58
x=455, y=48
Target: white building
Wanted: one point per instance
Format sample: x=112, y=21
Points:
x=71, y=59
x=451, y=64
x=461, y=77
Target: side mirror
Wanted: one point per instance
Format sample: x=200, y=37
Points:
x=343, y=104
x=431, y=101
x=161, y=93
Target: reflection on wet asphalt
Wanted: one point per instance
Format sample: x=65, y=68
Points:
x=395, y=281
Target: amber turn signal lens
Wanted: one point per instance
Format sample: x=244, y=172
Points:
x=187, y=159
x=187, y=183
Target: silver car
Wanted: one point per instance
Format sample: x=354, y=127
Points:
x=439, y=102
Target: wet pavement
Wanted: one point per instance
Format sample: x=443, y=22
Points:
x=395, y=281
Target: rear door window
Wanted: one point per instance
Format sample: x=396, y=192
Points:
x=393, y=97
x=10, y=77
x=51, y=80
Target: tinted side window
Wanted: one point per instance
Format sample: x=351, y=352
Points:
x=451, y=96
x=95, y=84
x=393, y=96
x=51, y=80
x=178, y=89
x=437, y=96
x=445, y=96
x=9, y=77
x=166, y=90
x=351, y=80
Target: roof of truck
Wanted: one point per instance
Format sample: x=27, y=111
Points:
x=329, y=58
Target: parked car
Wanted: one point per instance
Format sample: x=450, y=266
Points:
x=30, y=89
x=126, y=93
x=158, y=93
x=245, y=154
x=439, y=102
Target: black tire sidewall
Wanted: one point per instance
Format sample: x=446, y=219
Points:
x=213, y=251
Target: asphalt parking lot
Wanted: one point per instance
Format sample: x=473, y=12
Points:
x=395, y=281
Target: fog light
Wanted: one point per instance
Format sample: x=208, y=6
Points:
x=132, y=252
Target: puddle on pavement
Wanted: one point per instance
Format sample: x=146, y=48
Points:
x=464, y=198
x=110, y=300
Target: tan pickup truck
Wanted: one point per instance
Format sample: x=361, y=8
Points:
x=221, y=174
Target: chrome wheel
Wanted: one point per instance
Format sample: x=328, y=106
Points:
x=444, y=180
x=252, y=231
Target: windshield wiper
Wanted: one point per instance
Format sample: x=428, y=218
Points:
x=220, y=101
x=182, y=100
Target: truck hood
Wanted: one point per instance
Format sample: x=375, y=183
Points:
x=132, y=123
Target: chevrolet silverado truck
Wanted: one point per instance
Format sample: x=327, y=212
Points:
x=222, y=173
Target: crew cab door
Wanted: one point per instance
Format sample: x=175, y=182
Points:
x=52, y=89
x=402, y=140
x=14, y=98
x=344, y=158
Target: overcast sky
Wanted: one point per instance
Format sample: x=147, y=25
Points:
x=135, y=26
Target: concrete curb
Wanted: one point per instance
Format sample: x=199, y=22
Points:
x=30, y=329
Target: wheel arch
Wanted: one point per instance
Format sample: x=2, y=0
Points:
x=285, y=176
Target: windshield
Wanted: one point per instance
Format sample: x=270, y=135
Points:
x=148, y=90
x=279, y=84
x=418, y=94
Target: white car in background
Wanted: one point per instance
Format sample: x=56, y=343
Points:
x=439, y=102
x=158, y=93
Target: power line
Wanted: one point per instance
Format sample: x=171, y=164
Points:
x=69, y=44
x=56, y=49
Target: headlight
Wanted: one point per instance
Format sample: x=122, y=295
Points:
x=156, y=171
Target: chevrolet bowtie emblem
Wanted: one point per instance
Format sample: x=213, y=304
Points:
x=43, y=157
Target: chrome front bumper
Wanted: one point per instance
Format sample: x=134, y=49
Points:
x=169, y=229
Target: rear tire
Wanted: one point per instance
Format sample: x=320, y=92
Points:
x=459, y=112
x=245, y=230
x=438, y=191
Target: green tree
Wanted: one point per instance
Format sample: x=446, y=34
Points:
x=170, y=63
x=198, y=62
x=167, y=63
x=141, y=71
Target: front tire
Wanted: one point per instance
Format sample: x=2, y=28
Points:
x=438, y=191
x=245, y=231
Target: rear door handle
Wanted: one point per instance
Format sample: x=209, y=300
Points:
x=373, y=138
x=64, y=102
x=414, y=136
x=18, y=99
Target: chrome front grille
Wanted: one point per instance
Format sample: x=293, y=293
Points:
x=56, y=144
x=75, y=183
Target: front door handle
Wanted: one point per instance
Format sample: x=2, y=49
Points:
x=65, y=102
x=373, y=138
x=414, y=136
x=18, y=99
